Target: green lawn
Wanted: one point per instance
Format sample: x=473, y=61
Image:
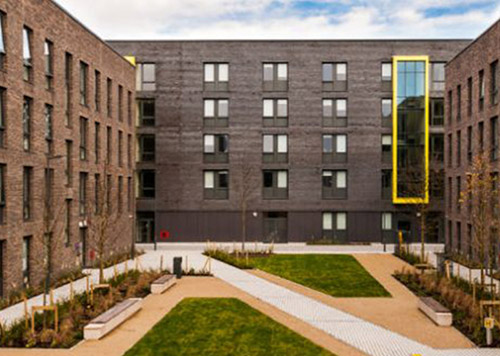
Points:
x=336, y=275
x=219, y=327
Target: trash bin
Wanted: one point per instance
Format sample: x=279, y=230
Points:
x=178, y=267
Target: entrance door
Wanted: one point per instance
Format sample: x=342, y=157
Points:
x=276, y=227
x=405, y=227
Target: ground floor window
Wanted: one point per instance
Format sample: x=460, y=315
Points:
x=145, y=227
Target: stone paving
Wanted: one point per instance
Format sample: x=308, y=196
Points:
x=367, y=337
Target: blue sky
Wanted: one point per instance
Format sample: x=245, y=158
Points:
x=285, y=19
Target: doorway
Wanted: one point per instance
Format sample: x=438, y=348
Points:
x=276, y=227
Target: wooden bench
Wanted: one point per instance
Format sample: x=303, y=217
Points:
x=435, y=311
x=109, y=320
x=163, y=283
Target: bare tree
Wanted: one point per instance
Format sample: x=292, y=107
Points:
x=480, y=195
x=245, y=187
x=105, y=224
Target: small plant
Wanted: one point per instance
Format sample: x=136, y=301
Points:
x=409, y=257
x=235, y=259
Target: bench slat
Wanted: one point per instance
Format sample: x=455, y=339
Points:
x=164, y=279
x=114, y=311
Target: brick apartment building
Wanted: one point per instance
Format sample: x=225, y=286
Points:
x=304, y=126
x=472, y=106
x=66, y=119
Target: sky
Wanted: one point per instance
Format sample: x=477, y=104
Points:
x=284, y=19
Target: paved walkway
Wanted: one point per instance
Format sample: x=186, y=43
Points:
x=365, y=336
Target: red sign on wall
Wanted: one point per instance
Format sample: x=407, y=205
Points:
x=164, y=234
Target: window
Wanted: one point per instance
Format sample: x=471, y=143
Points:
x=469, y=144
x=129, y=150
x=469, y=96
x=49, y=64
x=458, y=193
x=146, y=112
x=334, y=148
x=2, y=52
x=450, y=107
x=26, y=259
x=48, y=191
x=27, y=112
x=120, y=148
x=120, y=194
x=215, y=148
x=27, y=199
x=334, y=76
x=146, y=148
x=84, y=83
x=69, y=163
x=275, y=184
x=120, y=103
x=97, y=90
x=216, y=76
x=146, y=183
x=146, y=77
x=450, y=150
x=386, y=184
x=334, y=112
x=215, y=112
x=67, y=222
x=275, y=76
x=437, y=76
x=3, y=201
x=109, y=147
x=459, y=102
x=459, y=148
x=84, y=128
x=481, y=136
x=494, y=138
x=82, y=197
x=334, y=184
x=108, y=191
x=68, y=79
x=494, y=82
x=436, y=186
x=387, y=72
x=129, y=108
x=386, y=112
x=334, y=225
x=3, y=114
x=275, y=148
x=437, y=147
x=109, y=97
x=49, y=131
x=98, y=186
x=129, y=194
x=481, y=89
x=437, y=112
x=386, y=221
x=216, y=184
x=27, y=58
x=387, y=148
x=97, y=142
x=275, y=112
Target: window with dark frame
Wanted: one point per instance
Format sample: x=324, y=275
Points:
x=84, y=131
x=146, y=77
x=3, y=50
x=459, y=102
x=109, y=97
x=67, y=222
x=494, y=138
x=215, y=148
x=334, y=184
x=334, y=76
x=147, y=185
x=27, y=56
x=450, y=107
x=82, y=196
x=386, y=184
x=27, y=112
x=109, y=145
x=120, y=148
x=146, y=112
x=469, y=145
x=129, y=194
x=129, y=150
x=129, y=108
x=275, y=184
x=120, y=194
x=437, y=76
x=108, y=192
x=97, y=142
x=275, y=112
x=275, y=76
x=84, y=83
x=459, y=148
x=69, y=163
x=49, y=64
x=120, y=103
x=386, y=106
x=494, y=73
x=387, y=148
x=482, y=86
x=3, y=114
x=27, y=199
x=334, y=148
x=437, y=147
x=274, y=148
x=481, y=136
x=97, y=193
x=26, y=261
x=3, y=201
x=216, y=76
x=216, y=112
x=68, y=80
x=469, y=96
x=97, y=90
x=450, y=150
x=216, y=185
x=49, y=192
x=437, y=112
x=49, y=129
x=334, y=225
x=335, y=112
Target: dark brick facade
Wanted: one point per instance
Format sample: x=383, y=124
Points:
x=49, y=22
x=179, y=205
x=465, y=113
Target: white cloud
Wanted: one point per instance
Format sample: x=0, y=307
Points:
x=275, y=19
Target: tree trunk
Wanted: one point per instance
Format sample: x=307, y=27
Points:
x=243, y=225
x=422, y=237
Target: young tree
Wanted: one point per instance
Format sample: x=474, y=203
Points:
x=480, y=195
